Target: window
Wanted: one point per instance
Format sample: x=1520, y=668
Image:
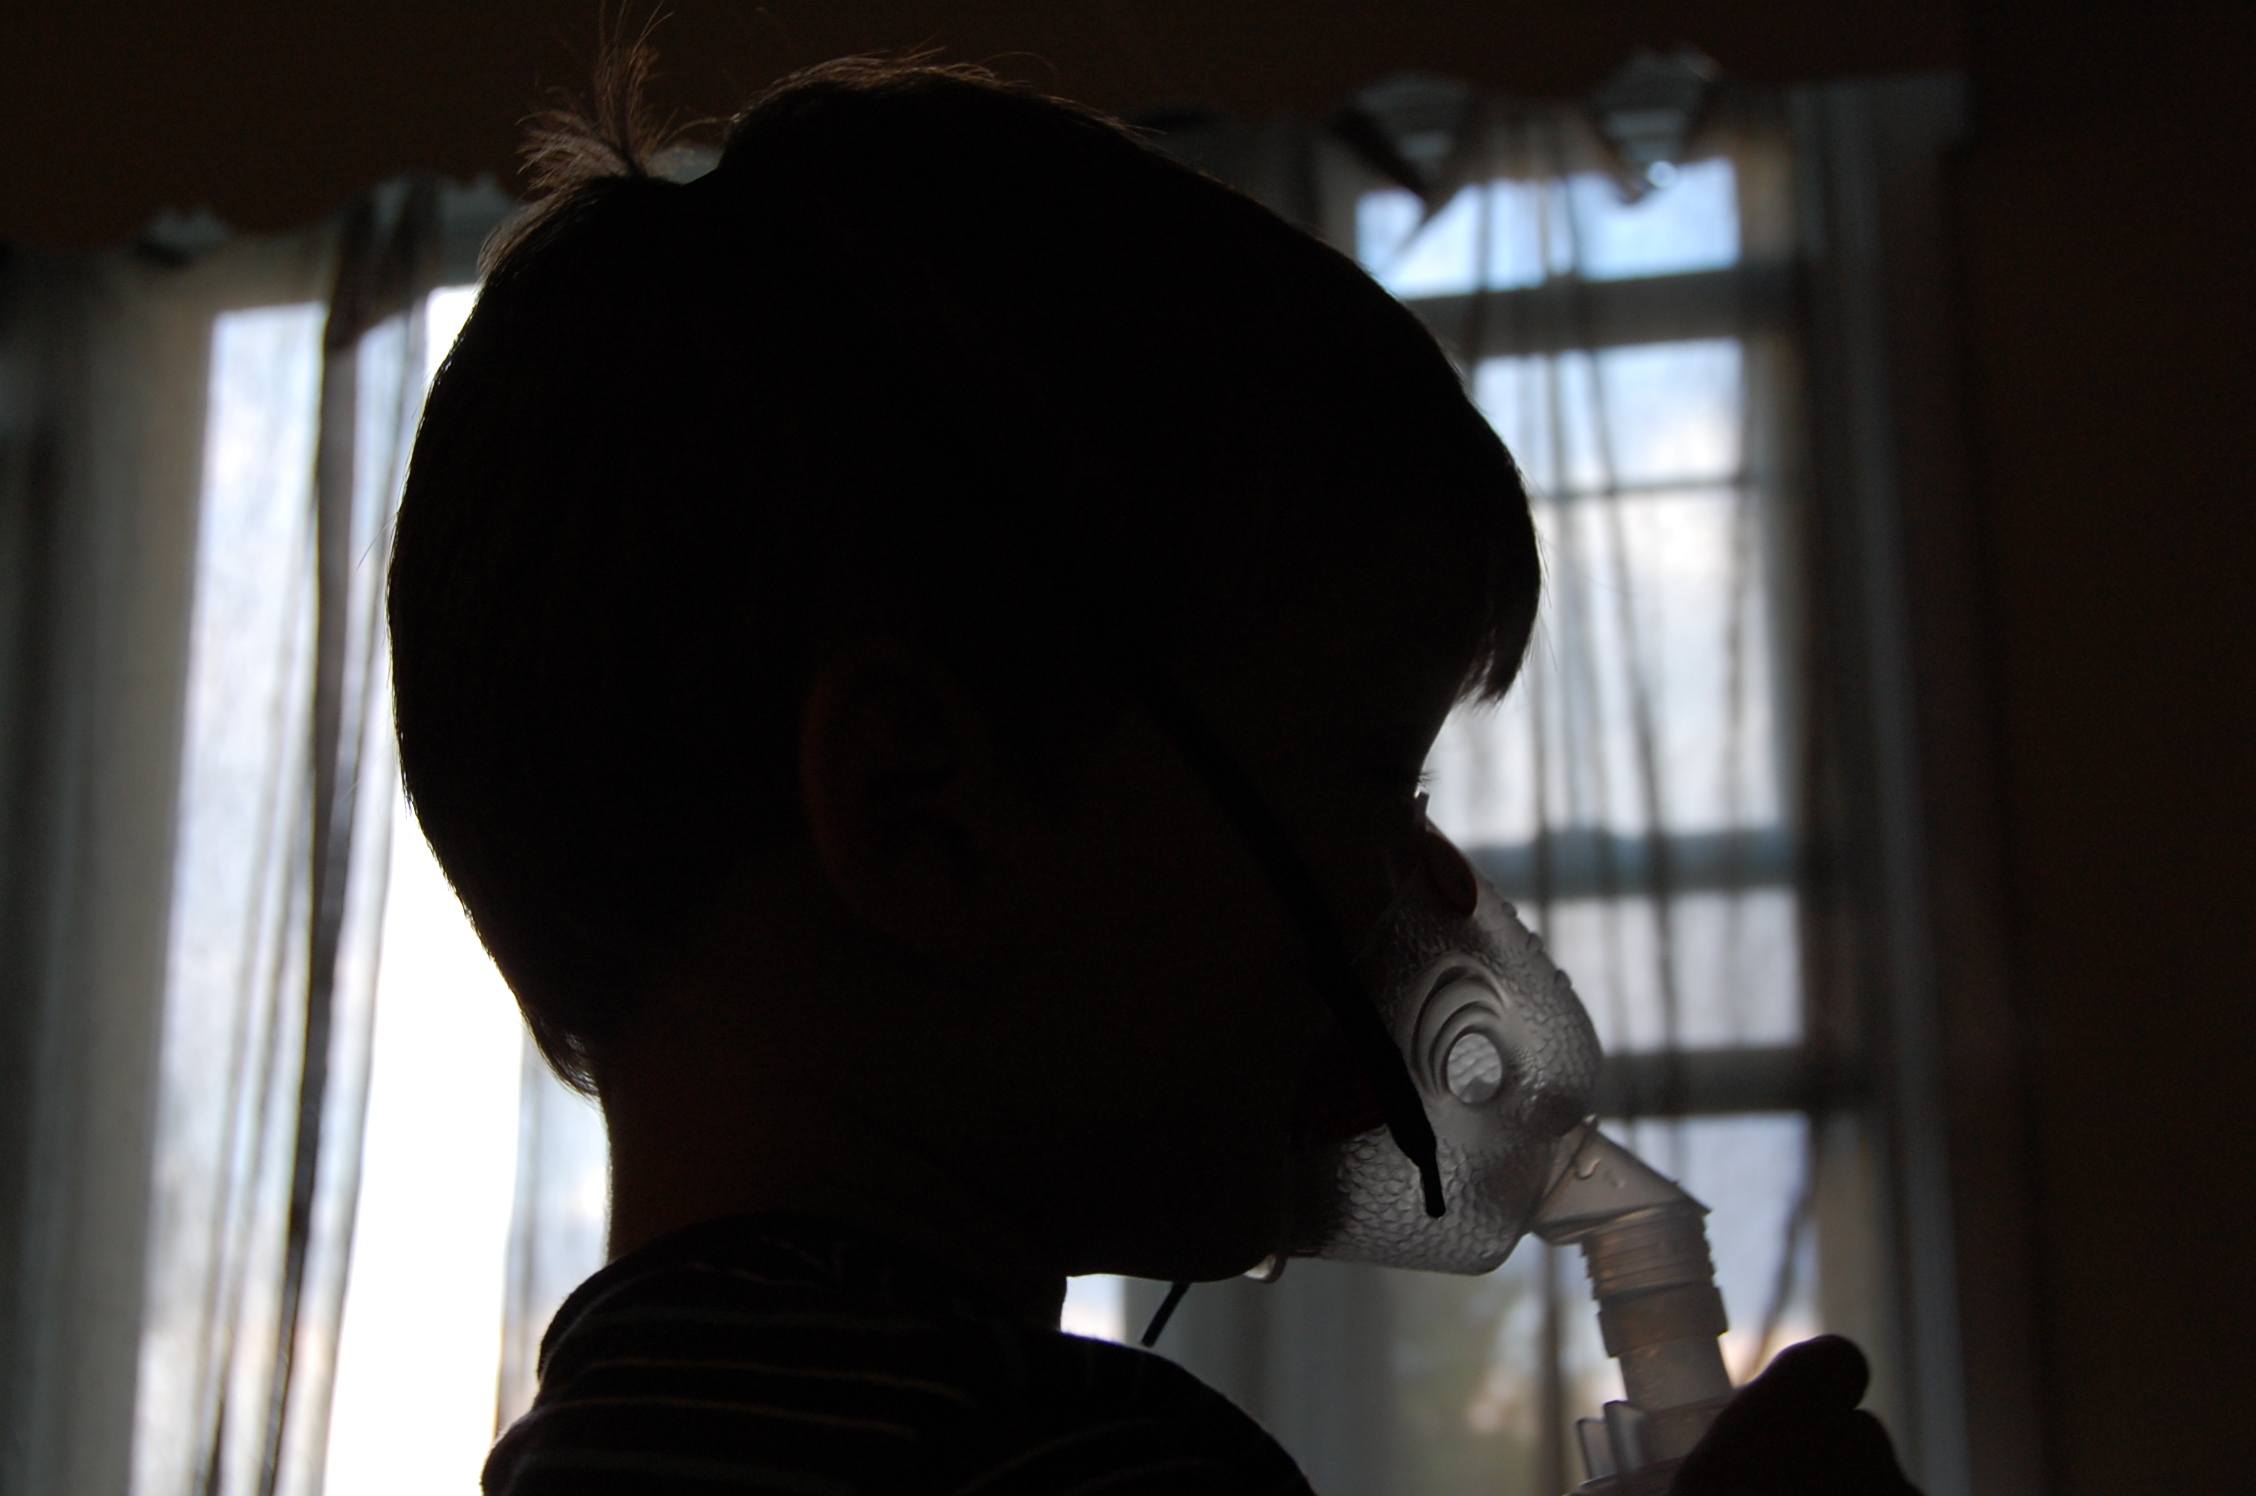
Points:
x=247, y=690
x=417, y=1357
x=1609, y=344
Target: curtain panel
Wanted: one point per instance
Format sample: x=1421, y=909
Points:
x=194, y=880
x=1672, y=310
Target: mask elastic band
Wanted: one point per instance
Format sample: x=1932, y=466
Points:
x=1166, y=1313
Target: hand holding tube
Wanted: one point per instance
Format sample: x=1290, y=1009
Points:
x=1679, y=1427
x=1797, y=1428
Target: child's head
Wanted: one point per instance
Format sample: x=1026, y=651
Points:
x=780, y=564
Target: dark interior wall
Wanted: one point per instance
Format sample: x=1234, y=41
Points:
x=270, y=112
x=2103, y=253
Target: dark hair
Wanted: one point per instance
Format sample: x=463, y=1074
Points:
x=924, y=349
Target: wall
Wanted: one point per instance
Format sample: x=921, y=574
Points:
x=270, y=112
x=2102, y=258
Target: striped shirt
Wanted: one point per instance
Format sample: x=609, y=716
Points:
x=769, y=1354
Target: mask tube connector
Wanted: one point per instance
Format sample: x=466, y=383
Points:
x=1646, y=1252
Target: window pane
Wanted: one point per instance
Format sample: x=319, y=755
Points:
x=419, y=1353
x=1534, y=231
x=1678, y=567
x=1650, y=631
x=1736, y=964
x=245, y=738
x=1690, y=223
x=1660, y=413
x=561, y=1218
x=1096, y=1306
x=418, y=1357
x=444, y=314
x=1644, y=414
x=1467, y=1378
x=1437, y=260
x=245, y=691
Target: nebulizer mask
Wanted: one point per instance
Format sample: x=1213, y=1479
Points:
x=1485, y=1065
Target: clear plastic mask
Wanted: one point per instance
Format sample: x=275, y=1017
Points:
x=1504, y=1062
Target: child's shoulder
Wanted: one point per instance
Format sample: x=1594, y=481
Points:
x=825, y=1363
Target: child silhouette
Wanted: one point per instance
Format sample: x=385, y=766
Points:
x=790, y=569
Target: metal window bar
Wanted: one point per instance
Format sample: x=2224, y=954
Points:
x=1567, y=314
x=1586, y=862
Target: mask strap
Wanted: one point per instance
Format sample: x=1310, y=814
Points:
x=1166, y=1313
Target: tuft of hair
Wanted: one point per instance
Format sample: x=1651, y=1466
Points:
x=577, y=146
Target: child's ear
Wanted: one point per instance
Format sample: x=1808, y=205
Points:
x=907, y=800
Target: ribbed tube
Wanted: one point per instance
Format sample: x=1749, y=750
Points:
x=1655, y=1248
x=1660, y=1314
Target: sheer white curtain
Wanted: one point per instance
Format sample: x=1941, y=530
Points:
x=433, y=1193
x=1678, y=794
x=104, y=367
x=204, y=436
x=280, y=868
